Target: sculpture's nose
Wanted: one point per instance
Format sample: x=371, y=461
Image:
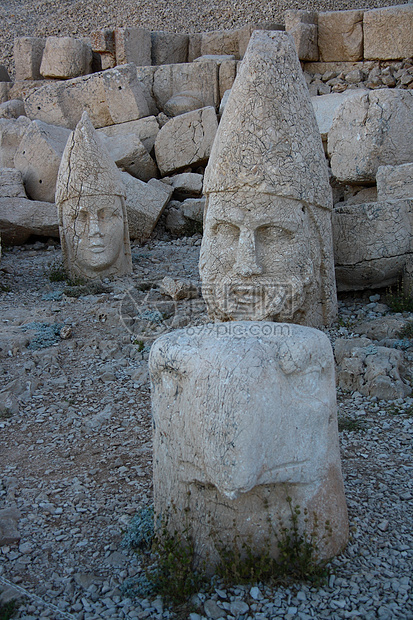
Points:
x=246, y=264
x=94, y=226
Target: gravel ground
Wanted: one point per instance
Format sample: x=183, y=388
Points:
x=79, y=17
x=76, y=459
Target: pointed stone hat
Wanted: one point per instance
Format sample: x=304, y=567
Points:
x=86, y=168
x=268, y=139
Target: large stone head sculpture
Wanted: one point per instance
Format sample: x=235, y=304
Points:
x=267, y=247
x=91, y=205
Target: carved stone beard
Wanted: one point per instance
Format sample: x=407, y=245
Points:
x=263, y=299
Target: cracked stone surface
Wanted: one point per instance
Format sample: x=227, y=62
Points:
x=267, y=246
x=244, y=416
x=186, y=140
x=90, y=197
x=380, y=123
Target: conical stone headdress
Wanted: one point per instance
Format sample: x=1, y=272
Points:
x=268, y=138
x=86, y=168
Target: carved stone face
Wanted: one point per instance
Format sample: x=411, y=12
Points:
x=94, y=233
x=256, y=259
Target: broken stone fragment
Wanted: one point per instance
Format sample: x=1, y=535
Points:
x=186, y=140
x=65, y=58
x=38, y=158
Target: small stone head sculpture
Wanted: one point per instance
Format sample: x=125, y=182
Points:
x=267, y=248
x=91, y=204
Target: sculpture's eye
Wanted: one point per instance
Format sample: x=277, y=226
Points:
x=307, y=382
x=226, y=231
x=82, y=217
x=106, y=214
x=271, y=232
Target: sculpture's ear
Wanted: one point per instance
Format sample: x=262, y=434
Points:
x=170, y=356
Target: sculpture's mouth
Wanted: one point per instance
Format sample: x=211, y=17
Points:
x=97, y=249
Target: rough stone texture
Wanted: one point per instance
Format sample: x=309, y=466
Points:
x=226, y=76
x=28, y=52
x=395, y=182
x=169, y=48
x=5, y=88
x=21, y=217
x=244, y=416
x=103, y=41
x=371, y=370
x=90, y=197
x=186, y=140
x=12, y=109
x=326, y=106
x=302, y=25
x=130, y=155
x=4, y=74
x=196, y=80
x=144, y=205
x=11, y=183
x=267, y=246
x=65, y=58
x=146, y=129
x=381, y=328
x=193, y=209
x=38, y=158
x=11, y=133
x=186, y=184
x=109, y=97
x=9, y=534
x=133, y=45
x=306, y=41
x=340, y=35
x=380, y=124
x=371, y=243
x=179, y=289
x=388, y=32
x=220, y=42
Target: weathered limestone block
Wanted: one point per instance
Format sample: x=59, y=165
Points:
x=227, y=75
x=197, y=80
x=11, y=183
x=186, y=184
x=186, y=140
x=109, y=97
x=169, y=47
x=306, y=41
x=267, y=252
x=340, y=35
x=145, y=203
x=133, y=45
x=38, y=158
x=28, y=52
x=371, y=370
x=21, y=217
x=12, y=109
x=130, y=155
x=146, y=76
x=381, y=328
x=146, y=129
x=103, y=41
x=302, y=25
x=65, y=58
x=380, y=124
x=388, y=32
x=194, y=45
x=371, y=243
x=244, y=416
x=220, y=42
x=11, y=133
x=193, y=209
x=326, y=106
x=90, y=197
x=395, y=182
x=5, y=88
